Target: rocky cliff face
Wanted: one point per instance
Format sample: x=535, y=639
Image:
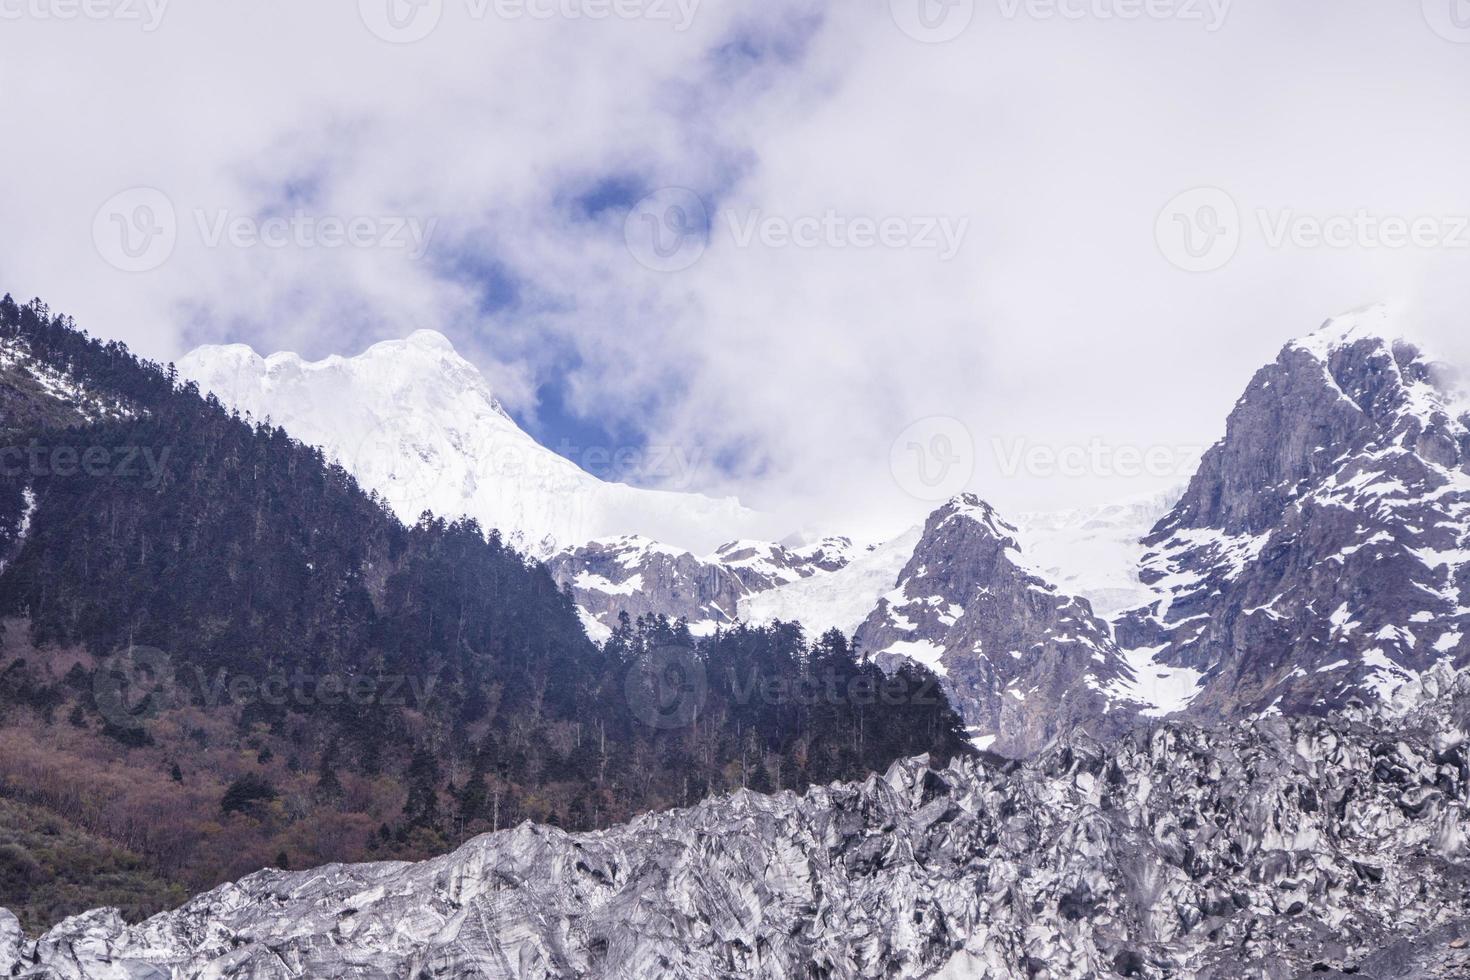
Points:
x=1320, y=553
x=1021, y=660
x=641, y=577
x=1273, y=849
x=632, y=574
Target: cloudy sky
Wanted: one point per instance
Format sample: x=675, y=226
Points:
x=847, y=255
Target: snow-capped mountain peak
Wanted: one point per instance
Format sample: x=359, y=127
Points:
x=1377, y=322
x=1321, y=551
x=1019, y=658
x=420, y=425
x=1419, y=386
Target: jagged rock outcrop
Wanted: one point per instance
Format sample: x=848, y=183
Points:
x=1021, y=660
x=632, y=574
x=641, y=577
x=11, y=939
x=1320, y=553
x=1267, y=849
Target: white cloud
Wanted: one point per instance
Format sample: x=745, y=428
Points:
x=1057, y=321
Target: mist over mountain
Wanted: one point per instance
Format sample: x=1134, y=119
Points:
x=1285, y=630
x=1315, y=556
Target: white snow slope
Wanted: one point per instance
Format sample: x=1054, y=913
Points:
x=840, y=599
x=419, y=424
x=1094, y=552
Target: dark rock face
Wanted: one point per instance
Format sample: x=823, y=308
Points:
x=1267, y=849
x=1020, y=660
x=1320, y=552
x=763, y=565
x=641, y=577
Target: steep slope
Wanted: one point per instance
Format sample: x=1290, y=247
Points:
x=635, y=575
x=1320, y=553
x=841, y=599
x=49, y=869
x=219, y=651
x=1022, y=660
x=1274, y=849
x=34, y=394
x=1094, y=552
x=419, y=424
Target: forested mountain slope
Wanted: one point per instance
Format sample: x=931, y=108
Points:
x=222, y=653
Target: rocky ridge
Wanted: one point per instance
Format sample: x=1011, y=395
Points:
x=1322, y=551
x=638, y=576
x=1274, y=848
x=1020, y=659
